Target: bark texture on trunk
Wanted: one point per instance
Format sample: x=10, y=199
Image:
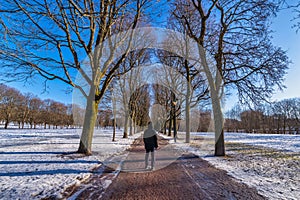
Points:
x=219, y=126
x=85, y=145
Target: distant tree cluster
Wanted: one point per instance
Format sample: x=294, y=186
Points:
x=27, y=108
x=139, y=106
x=282, y=117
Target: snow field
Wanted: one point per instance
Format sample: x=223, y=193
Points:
x=35, y=164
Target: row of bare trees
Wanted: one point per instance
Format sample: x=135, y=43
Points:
x=282, y=117
x=93, y=39
x=28, y=109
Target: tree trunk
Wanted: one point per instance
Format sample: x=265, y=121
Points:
x=135, y=128
x=284, y=124
x=130, y=127
x=187, y=124
x=114, y=120
x=174, y=123
x=6, y=124
x=125, y=134
x=278, y=126
x=114, y=129
x=85, y=145
x=187, y=115
x=215, y=85
x=219, y=128
x=170, y=125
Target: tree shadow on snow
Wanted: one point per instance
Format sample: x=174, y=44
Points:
x=46, y=172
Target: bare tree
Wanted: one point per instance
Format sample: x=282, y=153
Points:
x=10, y=100
x=162, y=97
x=46, y=117
x=139, y=104
x=232, y=122
x=128, y=83
x=170, y=87
x=35, y=114
x=78, y=115
x=287, y=115
x=28, y=108
x=58, y=111
x=236, y=35
x=68, y=120
x=196, y=85
x=52, y=39
x=23, y=109
x=251, y=121
x=296, y=114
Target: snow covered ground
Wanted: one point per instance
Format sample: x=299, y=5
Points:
x=276, y=141
x=270, y=163
x=41, y=163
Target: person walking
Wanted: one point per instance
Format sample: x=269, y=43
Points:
x=150, y=142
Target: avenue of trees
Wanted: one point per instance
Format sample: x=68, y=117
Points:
x=61, y=40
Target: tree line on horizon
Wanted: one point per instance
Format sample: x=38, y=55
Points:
x=28, y=109
x=281, y=117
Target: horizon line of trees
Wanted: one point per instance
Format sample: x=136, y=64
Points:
x=28, y=109
x=282, y=117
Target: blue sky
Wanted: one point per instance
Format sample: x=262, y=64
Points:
x=284, y=36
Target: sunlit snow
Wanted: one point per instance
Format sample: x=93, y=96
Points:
x=42, y=163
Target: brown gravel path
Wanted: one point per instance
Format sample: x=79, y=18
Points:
x=188, y=177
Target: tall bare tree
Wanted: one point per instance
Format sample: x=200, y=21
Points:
x=128, y=83
x=52, y=38
x=233, y=36
x=196, y=88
